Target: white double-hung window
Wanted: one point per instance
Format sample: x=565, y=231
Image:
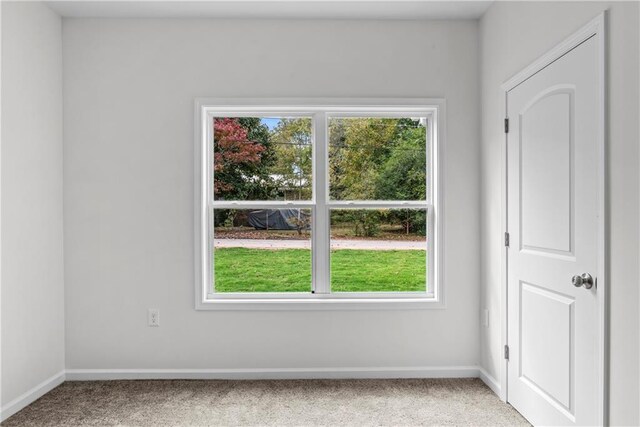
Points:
x=318, y=203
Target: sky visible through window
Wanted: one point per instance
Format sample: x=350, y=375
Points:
x=270, y=122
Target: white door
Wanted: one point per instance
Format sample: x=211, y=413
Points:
x=553, y=182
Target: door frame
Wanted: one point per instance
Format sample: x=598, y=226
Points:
x=595, y=28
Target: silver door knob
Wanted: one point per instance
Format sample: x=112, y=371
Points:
x=585, y=280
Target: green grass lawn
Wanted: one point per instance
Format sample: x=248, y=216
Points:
x=289, y=270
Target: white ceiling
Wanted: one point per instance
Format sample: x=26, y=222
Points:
x=273, y=9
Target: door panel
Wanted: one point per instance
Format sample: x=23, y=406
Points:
x=547, y=338
x=552, y=219
x=546, y=160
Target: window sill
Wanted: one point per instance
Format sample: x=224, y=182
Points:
x=320, y=303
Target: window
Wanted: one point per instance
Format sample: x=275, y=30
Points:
x=317, y=204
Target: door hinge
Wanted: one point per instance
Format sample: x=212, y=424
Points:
x=506, y=125
x=506, y=239
x=506, y=352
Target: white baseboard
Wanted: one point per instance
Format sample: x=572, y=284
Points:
x=31, y=396
x=490, y=382
x=273, y=374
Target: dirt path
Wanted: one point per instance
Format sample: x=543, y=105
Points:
x=373, y=245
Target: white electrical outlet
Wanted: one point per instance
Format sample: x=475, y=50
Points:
x=153, y=317
x=485, y=318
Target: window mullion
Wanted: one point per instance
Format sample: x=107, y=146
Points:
x=378, y=204
x=320, y=242
x=262, y=205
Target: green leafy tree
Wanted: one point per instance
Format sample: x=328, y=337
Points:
x=293, y=162
x=403, y=174
x=379, y=159
x=403, y=177
x=358, y=149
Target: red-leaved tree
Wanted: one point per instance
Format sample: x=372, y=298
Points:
x=236, y=159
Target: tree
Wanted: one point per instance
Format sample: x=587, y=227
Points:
x=379, y=159
x=403, y=177
x=259, y=132
x=292, y=148
x=238, y=169
x=358, y=149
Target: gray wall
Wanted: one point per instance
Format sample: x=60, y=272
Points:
x=32, y=276
x=129, y=89
x=513, y=34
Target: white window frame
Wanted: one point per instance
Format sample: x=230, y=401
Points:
x=320, y=110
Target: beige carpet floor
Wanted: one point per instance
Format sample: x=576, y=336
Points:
x=432, y=402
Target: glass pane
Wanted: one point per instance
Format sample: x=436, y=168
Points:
x=262, y=250
x=378, y=250
x=374, y=158
x=262, y=158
